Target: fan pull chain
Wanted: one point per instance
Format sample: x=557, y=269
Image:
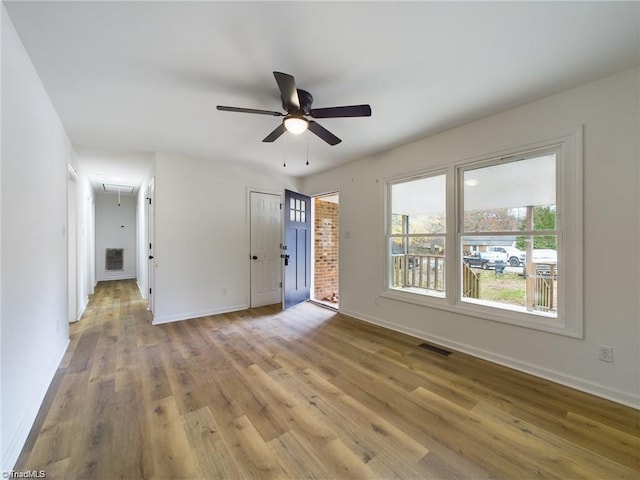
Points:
x=284, y=164
x=307, y=135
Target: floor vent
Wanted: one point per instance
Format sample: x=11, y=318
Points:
x=434, y=349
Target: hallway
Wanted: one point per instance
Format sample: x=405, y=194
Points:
x=304, y=393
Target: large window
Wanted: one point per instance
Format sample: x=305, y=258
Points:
x=497, y=237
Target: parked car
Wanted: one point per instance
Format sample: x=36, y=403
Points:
x=512, y=255
x=483, y=260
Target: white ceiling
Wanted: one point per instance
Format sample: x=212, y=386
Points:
x=147, y=76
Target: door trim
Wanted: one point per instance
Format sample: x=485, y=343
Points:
x=313, y=249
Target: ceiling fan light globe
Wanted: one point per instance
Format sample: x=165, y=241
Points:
x=295, y=125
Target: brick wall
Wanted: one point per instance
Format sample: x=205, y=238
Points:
x=326, y=250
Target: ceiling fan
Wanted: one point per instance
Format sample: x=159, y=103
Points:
x=297, y=103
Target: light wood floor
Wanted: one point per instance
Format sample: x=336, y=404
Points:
x=305, y=393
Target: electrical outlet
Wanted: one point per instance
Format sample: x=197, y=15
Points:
x=605, y=353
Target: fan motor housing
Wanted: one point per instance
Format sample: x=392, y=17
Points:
x=305, y=99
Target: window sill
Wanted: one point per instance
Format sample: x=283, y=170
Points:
x=536, y=321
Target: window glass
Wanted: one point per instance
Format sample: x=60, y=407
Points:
x=298, y=210
x=421, y=203
x=509, y=244
x=417, y=232
x=497, y=197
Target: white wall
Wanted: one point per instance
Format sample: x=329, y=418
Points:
x=202, y=235
x=116, y=228
x=34, y=328
x=609, y=111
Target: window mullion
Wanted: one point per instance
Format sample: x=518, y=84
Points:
x=453, y=259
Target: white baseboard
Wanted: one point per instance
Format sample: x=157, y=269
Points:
x=115, y=277
x=618, y=396
x=82, y=308
x=11, y=451
x=205, y=313
x=145, y=295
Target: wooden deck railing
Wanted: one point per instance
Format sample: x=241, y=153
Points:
x=545, y=278
x=427, y=271
x=423, y=271
x=470, y=282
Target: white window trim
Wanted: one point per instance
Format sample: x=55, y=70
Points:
x=432, y=299
x=570, y=321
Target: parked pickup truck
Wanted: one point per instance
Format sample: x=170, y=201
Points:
x=484, y=260
x=512, y=255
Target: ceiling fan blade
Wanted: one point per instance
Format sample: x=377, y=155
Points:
x=288, y=90
x=275, y=134
x=346, y=111
x=249, y=110
x=323, y=133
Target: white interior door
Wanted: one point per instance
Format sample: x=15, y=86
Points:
x=72, y=246
x=151, y=220
x=265, y=234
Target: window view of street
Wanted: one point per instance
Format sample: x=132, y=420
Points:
x=509, y=228
x=497, y=281
x=508, y=240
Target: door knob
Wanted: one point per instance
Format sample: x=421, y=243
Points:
x=150, y=257
x=255, y=257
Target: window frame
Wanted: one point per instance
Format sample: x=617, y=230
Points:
x=568, y=145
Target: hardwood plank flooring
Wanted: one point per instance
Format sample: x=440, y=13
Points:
x=306, y=393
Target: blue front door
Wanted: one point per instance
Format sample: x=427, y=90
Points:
x=297, y=248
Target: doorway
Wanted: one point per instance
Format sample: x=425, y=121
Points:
x=326, y=236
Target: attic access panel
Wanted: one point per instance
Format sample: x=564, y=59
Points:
x=115, y=188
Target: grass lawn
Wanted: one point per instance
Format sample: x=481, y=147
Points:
x=508, y=287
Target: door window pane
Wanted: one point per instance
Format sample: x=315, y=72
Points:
x=298, y=210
